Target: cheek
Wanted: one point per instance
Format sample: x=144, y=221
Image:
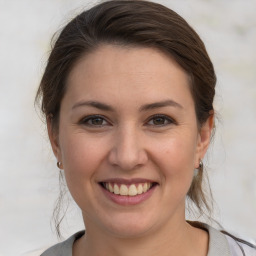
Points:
x=176, y=154
x=81, y=158
x=176, y=159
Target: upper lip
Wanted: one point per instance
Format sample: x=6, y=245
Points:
x=127, y=181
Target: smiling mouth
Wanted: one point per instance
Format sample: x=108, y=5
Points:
x=128, y=190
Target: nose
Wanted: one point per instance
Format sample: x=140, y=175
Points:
x=127, y=151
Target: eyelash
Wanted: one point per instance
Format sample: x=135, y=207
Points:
x=164, y=117
x=86, y=120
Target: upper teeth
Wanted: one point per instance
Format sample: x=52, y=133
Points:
x=128, y=190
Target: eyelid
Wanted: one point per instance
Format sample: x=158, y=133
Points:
x=85, y=119
x=170, y=119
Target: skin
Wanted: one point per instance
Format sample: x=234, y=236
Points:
x=129, y=142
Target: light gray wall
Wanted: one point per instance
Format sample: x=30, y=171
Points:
x=28, y=172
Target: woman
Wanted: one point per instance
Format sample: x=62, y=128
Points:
x=128, y=98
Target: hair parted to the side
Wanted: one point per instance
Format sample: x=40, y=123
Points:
x=131, y=23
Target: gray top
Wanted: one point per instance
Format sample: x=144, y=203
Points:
x=219, y=244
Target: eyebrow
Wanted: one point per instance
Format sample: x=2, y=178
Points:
x=95, y=104
x=106, y=107
x=161, y=104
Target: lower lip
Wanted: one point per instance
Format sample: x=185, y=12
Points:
x=128, y=200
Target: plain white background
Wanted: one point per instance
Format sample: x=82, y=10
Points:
x=28, y=172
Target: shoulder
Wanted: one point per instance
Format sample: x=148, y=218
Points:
x=238, y=248
x=231, y=245
x=224, y=244
x=64, y=248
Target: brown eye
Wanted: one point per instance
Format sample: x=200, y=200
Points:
x=94, y=121
x=160, y=120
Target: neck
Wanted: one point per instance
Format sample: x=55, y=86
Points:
x=180, y=239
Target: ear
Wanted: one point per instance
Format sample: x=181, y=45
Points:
x=53, y=136
x=204, y=138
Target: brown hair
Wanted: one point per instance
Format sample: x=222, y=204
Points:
x=135, y=23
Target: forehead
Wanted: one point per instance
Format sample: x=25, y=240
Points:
x=128, y=72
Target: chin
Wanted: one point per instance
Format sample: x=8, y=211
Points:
x=129, y=226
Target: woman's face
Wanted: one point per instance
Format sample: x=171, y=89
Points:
x=128, y=124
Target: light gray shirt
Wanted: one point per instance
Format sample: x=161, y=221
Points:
x=219, y=245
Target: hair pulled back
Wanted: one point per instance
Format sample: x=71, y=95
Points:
x=132, y=23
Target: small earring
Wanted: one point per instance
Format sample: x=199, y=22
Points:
x=59, y=165
x=201, y=165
